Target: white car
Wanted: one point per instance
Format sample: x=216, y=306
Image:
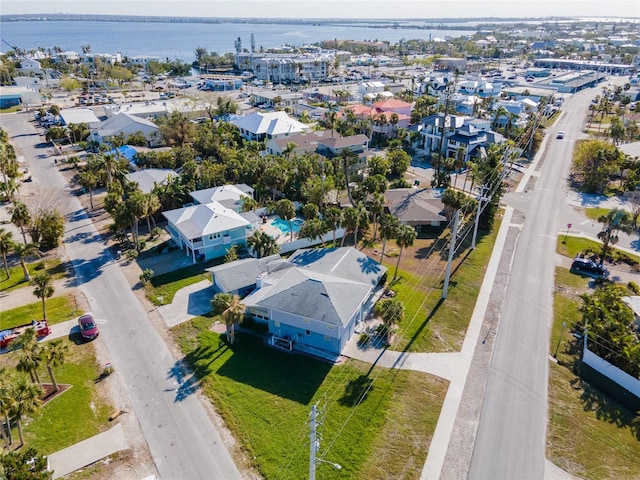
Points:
x=560, y=135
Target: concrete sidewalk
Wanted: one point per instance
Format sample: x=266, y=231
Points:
x=88, y=451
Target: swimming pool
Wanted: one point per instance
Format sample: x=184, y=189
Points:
x=283, y=225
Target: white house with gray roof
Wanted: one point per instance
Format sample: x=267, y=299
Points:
x=207, y=231
x=260, y=126
x=314, y=300
x=230, y=196
x=126, y=124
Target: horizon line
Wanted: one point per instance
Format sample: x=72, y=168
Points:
x=388, y=19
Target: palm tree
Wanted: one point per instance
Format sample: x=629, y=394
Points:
x=55, y=352
x=26, y=401
x=388, y=228
x=393, y=121
x=6, y=403
x=376, y=207
x=405, y=236
x=88, y=180
x=348, y=159
x=20, y=217
x=350, y=221
x=249, y=204
x=6, y=246
x=391, y=311
x=8, y=164
x=263, y=244
x=151, y=207
x=44, y=289
x=363, y=222
x=24, y=250
x=614, y=221
x=30, y=356
x=333, y=217
x=313, y=228
x=233, y=315
x=9, y=189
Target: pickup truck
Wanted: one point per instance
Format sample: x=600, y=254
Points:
x=9, y=335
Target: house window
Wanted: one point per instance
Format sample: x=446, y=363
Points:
x=327, y=338
x=307, y=332
x=197, y=239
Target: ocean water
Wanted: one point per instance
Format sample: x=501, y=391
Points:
x=179, y=40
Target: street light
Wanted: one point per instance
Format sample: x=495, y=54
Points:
x=337, y=466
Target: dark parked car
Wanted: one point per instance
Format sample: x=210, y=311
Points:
x=584, y=266
x=88, y=327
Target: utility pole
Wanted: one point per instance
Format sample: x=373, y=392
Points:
x=481, y=199
x=313, y=443
x=452, y=248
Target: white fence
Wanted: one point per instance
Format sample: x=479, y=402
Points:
x=305, y=242
x=611, y=371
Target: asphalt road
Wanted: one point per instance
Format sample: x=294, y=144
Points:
x=511, y=436
x=182, y=440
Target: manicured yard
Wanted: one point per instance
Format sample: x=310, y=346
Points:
x=574, y=245
x=53, y=267
x=59, y=309
x=589, y=434
x=167, y=284
x=265, y=397
x=78, y=413
x=595, y=213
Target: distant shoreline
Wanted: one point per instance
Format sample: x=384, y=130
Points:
x=399, y=23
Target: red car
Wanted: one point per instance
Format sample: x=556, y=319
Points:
x=88, y=327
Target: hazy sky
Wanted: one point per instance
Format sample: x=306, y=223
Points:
x=331, y=8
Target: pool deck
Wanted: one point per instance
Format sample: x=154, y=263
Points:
x=275, y=232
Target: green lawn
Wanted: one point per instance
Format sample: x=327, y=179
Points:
x=16, y=108
x=434, y=326
x=595, y=213
x=167, y=284
x=265, y=397
x=59, y=309
x=54, y=267
x=589, y=434
x=575, y=245
x=76, y=414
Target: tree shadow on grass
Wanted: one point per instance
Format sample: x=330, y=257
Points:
x=250, y=362
x=423, y=325
x=356, y=391
x=610, y=402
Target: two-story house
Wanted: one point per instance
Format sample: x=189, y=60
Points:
x=474, y=134
x=265, y=125
x=207, y=231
